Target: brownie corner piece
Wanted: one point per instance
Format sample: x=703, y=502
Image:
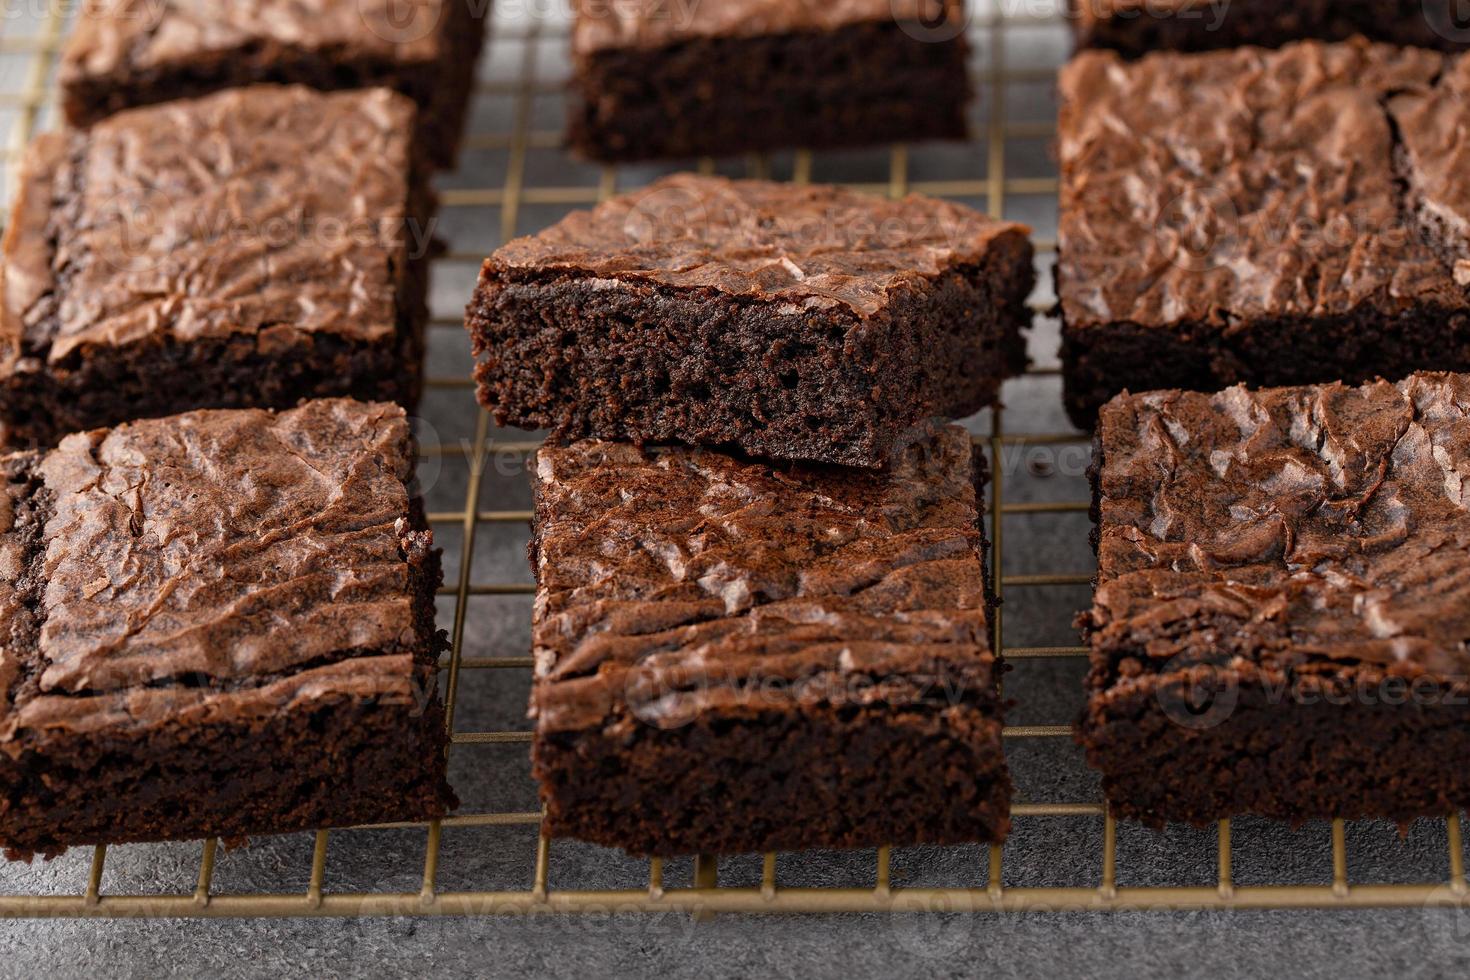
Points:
x=655, y=80
x=1272, y=261
x=278, y=251
x=734, y=657
x=122, y=54
x=1283, y=601
x=793, y=322
x=219, y=624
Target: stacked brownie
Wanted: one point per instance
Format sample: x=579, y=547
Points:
x=796, y=322
x=660, y=79
x=739, y=645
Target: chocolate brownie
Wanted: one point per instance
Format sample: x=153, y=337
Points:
x=1262, y=217
x=217, y=624
x=1137, y=27
x=250, y=248
x=654, y=78
x=1283, y=602
x=737, y=657
x=794, y=322
x=123, y=53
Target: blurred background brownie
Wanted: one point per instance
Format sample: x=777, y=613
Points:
x=732, y=657
x=122, y=53
x=657, y=79
x=1283, y=601
x=1136, y=27
x=1266, y=217
x=795, y=322
x=218, y=624
x=252, y=247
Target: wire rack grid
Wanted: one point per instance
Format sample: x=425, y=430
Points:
x=28, y=104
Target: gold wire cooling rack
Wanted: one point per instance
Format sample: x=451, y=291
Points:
x=27, y=104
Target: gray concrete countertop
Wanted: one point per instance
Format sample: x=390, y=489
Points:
x=1044, y=851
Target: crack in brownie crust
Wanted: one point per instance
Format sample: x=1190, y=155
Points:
x=733, y=657
x=791, y=322
x=1138, y=27
x=276, y=251
x=1283, y=602
x=220, y=623
x=1309, y=226
x=123, y=54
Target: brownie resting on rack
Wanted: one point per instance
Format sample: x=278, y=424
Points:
x=123, y=54
x=795, y=322
x=218, y=624
x=253, y=247
x=1283, y=603
x=733, y=657
x=1137, y=27
x=1262, y=217
x=654, y=79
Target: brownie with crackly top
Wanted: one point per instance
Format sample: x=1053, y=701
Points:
x=217, y=624
x=1309, y=226
x=737, y=656
x=250, y=248
x=122, y=54
x=793, y=322
x=1283, y=602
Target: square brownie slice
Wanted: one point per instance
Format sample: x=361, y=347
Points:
x=1283, y=603
x=249, y=248
x=123, y=53
x=1262, y=217
x=218, y=624
x=657, y=79
x=1137, y=27
x=789, y=321
x=735, y=657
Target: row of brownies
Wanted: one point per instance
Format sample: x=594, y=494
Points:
x=770, y=633
x=216, y=583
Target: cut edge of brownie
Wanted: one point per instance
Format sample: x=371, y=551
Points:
x=1206, y=743
x=352, y=759
x=1263, y=23
x=442, y=93
x=1101, y=360
x=676, y=368
x=706, y=801
x=99, y=385
x=863, y=84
